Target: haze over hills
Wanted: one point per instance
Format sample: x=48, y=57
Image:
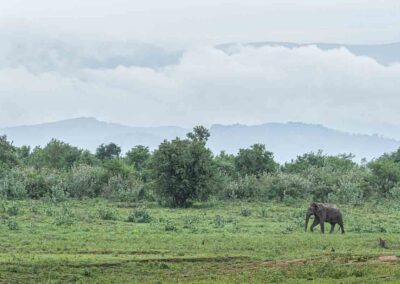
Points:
x=286, y=140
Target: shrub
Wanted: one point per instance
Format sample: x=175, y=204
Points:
x=64, y=217
x=245, y=212
x=219, y=221
x=183, y=169
x=130, y=189
x=170, y=226
x=12, y=225
x=13, y=185
x=85, y=181
x=107, y=214
x=13, y=210
x=58, y=193
x=244, y=187
x=139, y=216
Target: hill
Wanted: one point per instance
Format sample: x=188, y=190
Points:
x=286, y=140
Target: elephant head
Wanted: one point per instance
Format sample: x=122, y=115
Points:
x=312, y=210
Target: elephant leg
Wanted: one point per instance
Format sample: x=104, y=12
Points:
x=332, y=228
x=322, y=224
x=341, y=227
x=315, y=223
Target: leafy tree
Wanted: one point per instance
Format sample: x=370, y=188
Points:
x=23, y=153
x=308, y=161
x=385, y=173
x=199, y=134
x=8, y=157
x=225, y=164
x=183, y=169
x=108, y=151
x=138, y=157
x=55, y=155
x=255, y=161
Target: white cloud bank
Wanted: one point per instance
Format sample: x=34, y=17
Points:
x=207, y=85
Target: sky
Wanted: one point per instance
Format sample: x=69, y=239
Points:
x=155, y=62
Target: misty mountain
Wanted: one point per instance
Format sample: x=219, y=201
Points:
x=384, y=54
x=286, y=140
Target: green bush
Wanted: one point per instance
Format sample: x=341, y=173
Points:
x=219, y=221
x=13, y=184
x=128, y=189
x=85, y=181
x=139, y=216
x=64, y=217
x=245, y=212
x=13, y=210
x=107, y=214
x=12, y=225
x=170, y=226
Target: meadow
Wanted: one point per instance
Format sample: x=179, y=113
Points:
x=99, y=241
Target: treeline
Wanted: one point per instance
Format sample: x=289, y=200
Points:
x=182, y=171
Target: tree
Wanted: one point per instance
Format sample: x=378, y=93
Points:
x=309, y=161
x=385, y=173
x=108, y=151
x=138, y=157
x=8, y=157
x=225, y=163
x=183, y=169
x=55, y=155
x=255, y=161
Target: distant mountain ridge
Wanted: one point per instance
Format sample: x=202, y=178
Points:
x=286, y=140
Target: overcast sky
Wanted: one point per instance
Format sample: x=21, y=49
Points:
x=154, y=62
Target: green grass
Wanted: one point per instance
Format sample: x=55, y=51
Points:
x=94, y=241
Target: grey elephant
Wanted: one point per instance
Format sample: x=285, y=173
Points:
x=324, y=212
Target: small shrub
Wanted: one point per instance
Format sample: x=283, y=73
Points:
x=13, y=210
x=107, y=214
x=264, y=212
x=245, y=212
x=139, y=216
x=170, y=226
x=64, y=217
x=13, y=225
x=49, y=212
x=58, y=193
x=35, y=210
x=219, y=221
x=189, y=222
x=87, y=272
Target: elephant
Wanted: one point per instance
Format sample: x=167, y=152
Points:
x=324, y=212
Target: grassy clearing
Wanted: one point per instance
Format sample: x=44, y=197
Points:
x=102, y=242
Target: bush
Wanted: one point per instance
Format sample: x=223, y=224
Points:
x=63, y=217
x=13, y=184
x=139, y=216
x=282, y=186
x=85, y=181
x=12, y=225
x=107, y=214
x=129, y=189
x=219, y=221
x=170, y=226
x=245, y=212
x=183, y=169
x=13, y=210
x=243, y=188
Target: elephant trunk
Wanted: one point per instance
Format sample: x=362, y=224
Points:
x=308, y=215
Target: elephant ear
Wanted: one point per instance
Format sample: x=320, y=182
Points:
x=315, y=206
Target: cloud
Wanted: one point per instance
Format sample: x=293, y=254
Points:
x=205, y=85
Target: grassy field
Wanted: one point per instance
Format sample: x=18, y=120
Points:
x=101, y=242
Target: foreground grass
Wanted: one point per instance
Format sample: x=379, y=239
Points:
x=92, y=241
